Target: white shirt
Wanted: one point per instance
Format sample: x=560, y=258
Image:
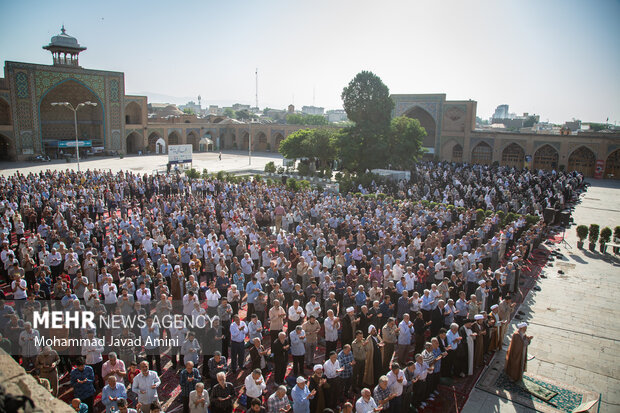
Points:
x=213, y=298
x=363, y=406
x=144, y=297
x=393, y=384
x=142, y=386
x=293, y=314
x=313, y=309
x=109, y=292
x=92, y=350
x=252, y=389
x=331, y=369
x=331, y=329
x=19, y=294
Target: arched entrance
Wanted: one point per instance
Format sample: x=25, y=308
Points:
x=582, y=160
x=612, y=165
x=152, y=146
x=427, y=122
x=194, y=140
x=513, y=156
x=135, y=143
x=279, y=139
x=133, y=114
x=261, y=142
x=5, y=113
x=57, y=122
x=173, y=138
x=7, y=150
x=457, y=153
x=482, y=154
x=245, y=141
x=546, y=157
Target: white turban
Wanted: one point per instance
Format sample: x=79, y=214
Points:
x=494, y=306
x=350, y=309
x=370, y=328
x=318, y=367
x=521, y=325
x=478, y=317
x=481, y=282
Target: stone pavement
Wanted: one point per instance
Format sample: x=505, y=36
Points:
x=232, y=161
x=574, y=319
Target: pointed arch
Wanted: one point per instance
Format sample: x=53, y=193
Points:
x=134, y=142
x=582, y=160
x=457, y=153
x=612, y=165
x=261, y=142
x=156, y=143
x=193, y=139
x=546, y=157
x=482, y=154
x=278, y=141
x=7, y=148
x=174, y=138
x=133, y=114
x=5, y=113
x=513, y=155
x=428, y=123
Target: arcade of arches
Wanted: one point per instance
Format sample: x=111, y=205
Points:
x=482, y=154
x=546, y=157
x=245, y=142
x=261, y=142
x=582, y=160
x=7, y=150
x=156, y=144
x=279, y=139
x=513, y=155
x=57, y=122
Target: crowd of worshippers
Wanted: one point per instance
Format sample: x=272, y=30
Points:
x=397, y=294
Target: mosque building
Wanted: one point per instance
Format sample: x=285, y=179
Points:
x=37, y=116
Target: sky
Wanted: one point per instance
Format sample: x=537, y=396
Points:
x=558, y=59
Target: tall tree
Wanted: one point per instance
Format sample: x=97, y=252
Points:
x=367, y=101
x=295, y=145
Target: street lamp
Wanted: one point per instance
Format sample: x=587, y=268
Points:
x=75, y=109
x=250, y=143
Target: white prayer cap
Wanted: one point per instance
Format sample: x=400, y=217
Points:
x=370, y=328
x=317, y=367
x=522, y=324
x=176, y=267
x=478, y=317
x=482, y=282
x=300, y=379
x=465, y=254
x=494, y=306
x=350, y=309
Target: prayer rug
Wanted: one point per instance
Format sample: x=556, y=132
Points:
x=535, y=392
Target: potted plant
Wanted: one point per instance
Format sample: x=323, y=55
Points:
x=616, y=238
x=604, y=239
x=593, y=236
x=582, y=234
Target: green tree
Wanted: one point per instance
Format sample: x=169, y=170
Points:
x=294, y=119
x=315, y=120
x=322, y=145
x=367, y=101
x=243, y=114
x=403, y=143
x=189, y=111
x=361, y=148
x=229, y=112
x=294, y=146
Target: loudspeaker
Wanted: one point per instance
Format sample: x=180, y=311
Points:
x=564, y=218
x=549, y=216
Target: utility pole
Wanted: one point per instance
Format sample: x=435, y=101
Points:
x=256, y=88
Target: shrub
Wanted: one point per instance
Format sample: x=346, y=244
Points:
x=192, y=173
x=605, y=235
x=269, y=182
x=479, y=215
x=582, y=232
x=510, y=217
x=291, y=183
x=303, y=184
x=221, y=175
x=303, y=168
x=258, y=178
x=617, y=232
x=205, y=173
x=338, y=176
x=270, y=167
x=593, y=233
x=488, y=213
x=531, y=220
x=280, y=170
x=327, y=173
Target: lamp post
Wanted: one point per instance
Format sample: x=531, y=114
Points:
x=74, y=110
x=250, y=144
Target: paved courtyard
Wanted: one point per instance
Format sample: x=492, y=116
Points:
x=574, y=319
x=232, y=161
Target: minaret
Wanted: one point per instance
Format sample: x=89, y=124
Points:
x=65, y=49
